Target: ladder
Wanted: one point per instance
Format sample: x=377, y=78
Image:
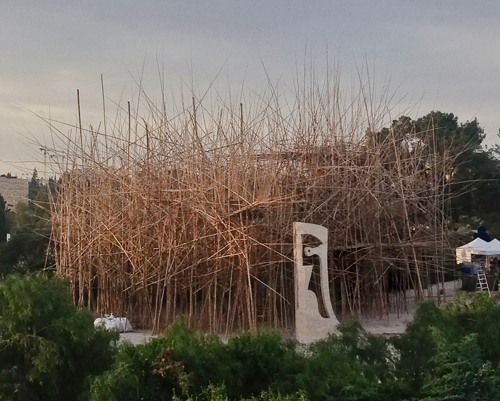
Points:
x=482, y=283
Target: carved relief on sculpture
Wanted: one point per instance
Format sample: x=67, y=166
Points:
x=310, y=325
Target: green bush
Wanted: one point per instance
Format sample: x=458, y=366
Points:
x=180, y=362
x=259, y=362
x=461, y=373
x=48, y=347
x=350, y=365
x=478, y=316
x=446, y=353
x=186, y=362
x=219, y=393
x=25, y=252
x=416, y=347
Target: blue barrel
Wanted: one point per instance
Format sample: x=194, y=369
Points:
x=467, y=270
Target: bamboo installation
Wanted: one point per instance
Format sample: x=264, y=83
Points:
x=187, y=209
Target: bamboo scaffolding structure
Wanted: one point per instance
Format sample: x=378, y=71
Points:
x=188, y=209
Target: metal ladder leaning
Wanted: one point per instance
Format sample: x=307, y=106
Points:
x=482, y=282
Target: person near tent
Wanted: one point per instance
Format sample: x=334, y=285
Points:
x=482, y=233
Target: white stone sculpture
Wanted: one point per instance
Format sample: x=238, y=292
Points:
x=310, y=326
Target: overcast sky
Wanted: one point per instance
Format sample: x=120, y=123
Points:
x=443, y=55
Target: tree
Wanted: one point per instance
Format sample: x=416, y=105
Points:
x=28, y=249
x=33, y=185
x=459, y=140
x=25, y=252
x=460, y=372
x=473, y=184
x=48, y=347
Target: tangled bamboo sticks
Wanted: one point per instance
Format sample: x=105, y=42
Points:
x=192, y=213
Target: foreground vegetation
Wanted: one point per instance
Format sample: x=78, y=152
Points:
x=48, y=347
x=49, y=350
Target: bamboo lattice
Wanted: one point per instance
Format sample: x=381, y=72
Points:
x=188, y=209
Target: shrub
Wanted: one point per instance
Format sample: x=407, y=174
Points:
x=444, y=353
x=180, y=362
x=350, y=365
x=259, y=362
x=187, y=362
x=417, y=348
x=461, y=374
x=219, y=393
x=478, y=316
x=25, y=252
x=48, y=347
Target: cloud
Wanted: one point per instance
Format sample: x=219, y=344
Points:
x=448, y=54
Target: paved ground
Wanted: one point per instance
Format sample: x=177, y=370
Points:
x=395, y=323
x=392, y=324
x=136, y=337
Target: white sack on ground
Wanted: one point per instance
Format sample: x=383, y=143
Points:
x=109, y=322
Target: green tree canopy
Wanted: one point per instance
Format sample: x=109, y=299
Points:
x=474, y=173
x=48, y=347
x=28, y=248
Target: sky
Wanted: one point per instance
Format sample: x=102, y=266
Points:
x=434, y=55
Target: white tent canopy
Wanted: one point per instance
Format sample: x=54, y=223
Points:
x=477, y=247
